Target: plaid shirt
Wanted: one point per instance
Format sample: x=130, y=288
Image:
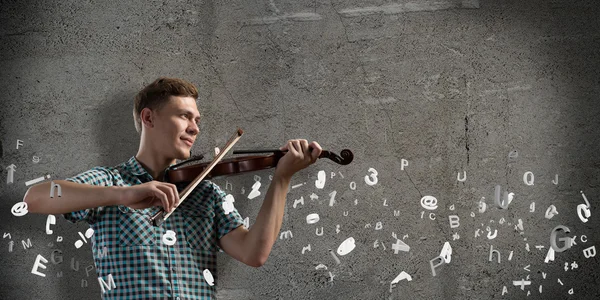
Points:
x=128, y=247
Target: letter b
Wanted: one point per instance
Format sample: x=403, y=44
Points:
x=454, y=221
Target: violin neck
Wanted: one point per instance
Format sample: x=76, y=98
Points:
x=255, y=151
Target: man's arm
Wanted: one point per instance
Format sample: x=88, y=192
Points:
x=74, y=197
x=253, y=246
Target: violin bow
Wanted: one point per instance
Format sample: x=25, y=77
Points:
x=346, y=156
x=158, y=218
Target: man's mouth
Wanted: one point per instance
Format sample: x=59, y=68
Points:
x=188, y=142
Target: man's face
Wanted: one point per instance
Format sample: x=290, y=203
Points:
x=175, y=123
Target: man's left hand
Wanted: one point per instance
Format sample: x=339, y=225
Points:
x=297, y=157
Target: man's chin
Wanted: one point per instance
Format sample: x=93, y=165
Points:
x=184, y=155
x=180, y=155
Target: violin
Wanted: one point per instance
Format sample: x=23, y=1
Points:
x=219, y=167
x=237, y=165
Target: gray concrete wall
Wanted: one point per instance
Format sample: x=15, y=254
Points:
x=495, y=89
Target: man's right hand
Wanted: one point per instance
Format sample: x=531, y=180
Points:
x=149, y=194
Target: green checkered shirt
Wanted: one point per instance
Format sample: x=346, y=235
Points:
x=128, y=247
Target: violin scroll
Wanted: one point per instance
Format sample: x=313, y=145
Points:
x=346, y=156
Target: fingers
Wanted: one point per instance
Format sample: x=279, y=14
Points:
x=304, y=145
x=287, y=146
x=169, y=195
x=297, y=146
x=177, y=199
x=174, y=195
x=304, y=151
x=316, y=152
x=158, y=193
x=293, y=147
x=300, y=149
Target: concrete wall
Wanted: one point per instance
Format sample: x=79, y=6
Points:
x=495, y=89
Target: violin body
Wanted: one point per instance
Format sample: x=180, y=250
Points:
x=229, y=166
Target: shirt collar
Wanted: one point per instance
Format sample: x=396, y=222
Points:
x=135, y=167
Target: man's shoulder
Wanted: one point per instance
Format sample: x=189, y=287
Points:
x=112, y=173
x=110, y=169
x=129, y=167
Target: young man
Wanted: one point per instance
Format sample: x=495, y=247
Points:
x=118, y=202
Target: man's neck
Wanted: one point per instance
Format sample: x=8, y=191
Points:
x=154, y=164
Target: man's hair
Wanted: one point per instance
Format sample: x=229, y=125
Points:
x=155, y=95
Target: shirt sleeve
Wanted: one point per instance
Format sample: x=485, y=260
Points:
x=96, y=176
x=227, y=216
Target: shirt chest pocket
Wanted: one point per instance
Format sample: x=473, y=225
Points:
x=135, y=227
x=199, y=228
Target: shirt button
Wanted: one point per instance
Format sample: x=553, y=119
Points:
x=178, y=298
x=173, y=269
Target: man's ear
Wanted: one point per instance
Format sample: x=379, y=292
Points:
x=147, y=117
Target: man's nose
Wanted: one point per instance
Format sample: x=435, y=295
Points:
x=193, y=129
